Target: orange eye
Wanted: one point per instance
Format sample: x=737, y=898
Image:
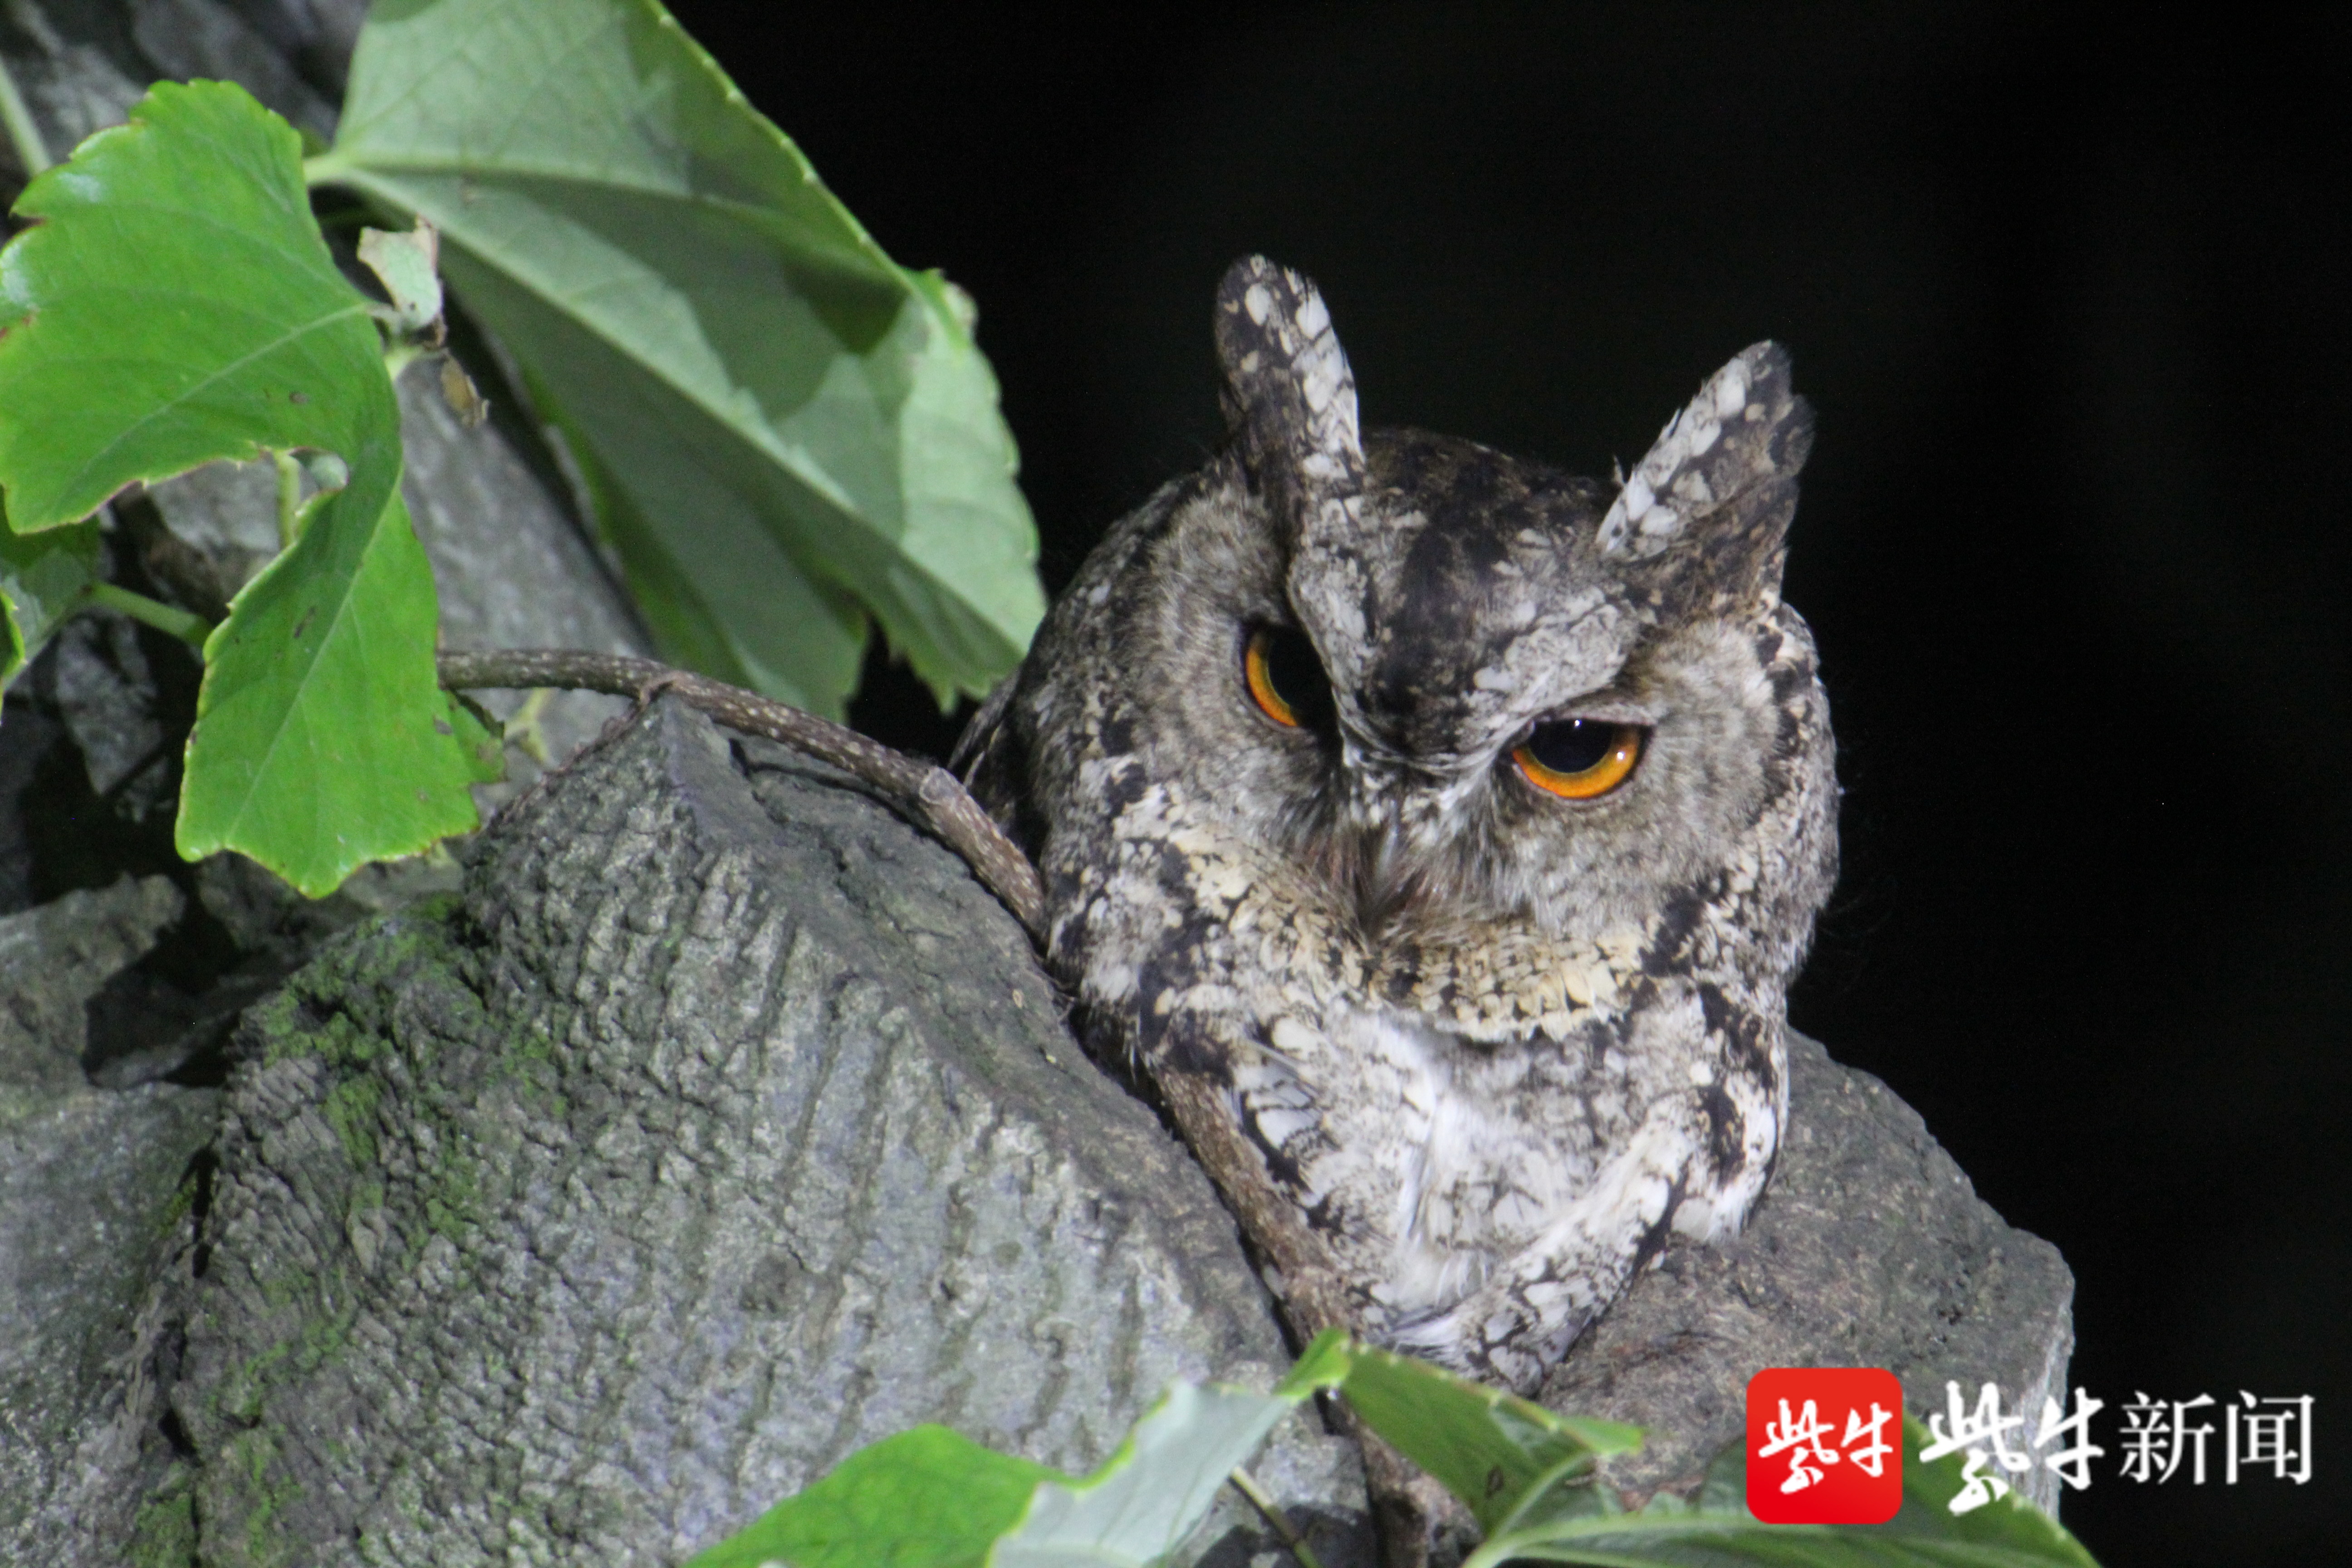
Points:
x=1580, y=759
x=1284, y=677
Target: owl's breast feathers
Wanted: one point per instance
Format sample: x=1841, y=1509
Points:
x=1436, y=1104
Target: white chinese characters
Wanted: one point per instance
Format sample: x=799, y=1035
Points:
x=1974, y=1433
x=2160, y=1439
x=1801, y=1438
x=2275, y=1433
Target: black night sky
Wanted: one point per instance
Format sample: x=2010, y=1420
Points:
x=2070, y=301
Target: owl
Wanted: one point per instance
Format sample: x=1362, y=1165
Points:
x=1438, y=833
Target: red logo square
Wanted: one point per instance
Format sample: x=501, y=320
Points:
x=1824, y=1444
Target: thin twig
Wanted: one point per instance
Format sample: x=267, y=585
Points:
x=1247, y=1486
x=926, y=795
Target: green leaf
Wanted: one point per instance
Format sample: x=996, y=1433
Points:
x=182, y=308
x=323, y=740
x=407, y=265
x=177, y=304
x=1146, y=1499
x=1720, y=1532
x=927, y=1498
x=782, y=424
x=1502, y=1456
x=763, y=624
x=44, y=577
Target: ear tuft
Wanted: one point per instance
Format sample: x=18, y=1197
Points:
x=1722, y=475
x=1290, y=398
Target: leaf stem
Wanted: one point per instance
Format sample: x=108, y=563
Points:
x=324, y=169
x=188, y=626
x=528, y=727
x=1247, y=1484
x=24, y=135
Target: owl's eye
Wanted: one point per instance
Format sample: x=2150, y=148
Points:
x=1580, y=759
x=1284, y=677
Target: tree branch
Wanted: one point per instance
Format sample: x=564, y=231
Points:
x=926, y=795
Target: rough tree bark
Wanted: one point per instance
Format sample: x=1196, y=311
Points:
x=722, y=1126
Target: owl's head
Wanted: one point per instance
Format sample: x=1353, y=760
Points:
x=1456, y=689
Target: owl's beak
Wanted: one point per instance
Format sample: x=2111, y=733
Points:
x=1385, y=882
x=1390, y=828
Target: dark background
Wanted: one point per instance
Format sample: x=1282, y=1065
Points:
x=2069, y=298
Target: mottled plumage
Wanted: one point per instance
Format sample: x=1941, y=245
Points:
x=1489, y=1044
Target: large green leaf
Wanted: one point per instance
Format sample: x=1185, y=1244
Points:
x=780, y=424
x=182, y=306
x=323, y=740
x=176, y=304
